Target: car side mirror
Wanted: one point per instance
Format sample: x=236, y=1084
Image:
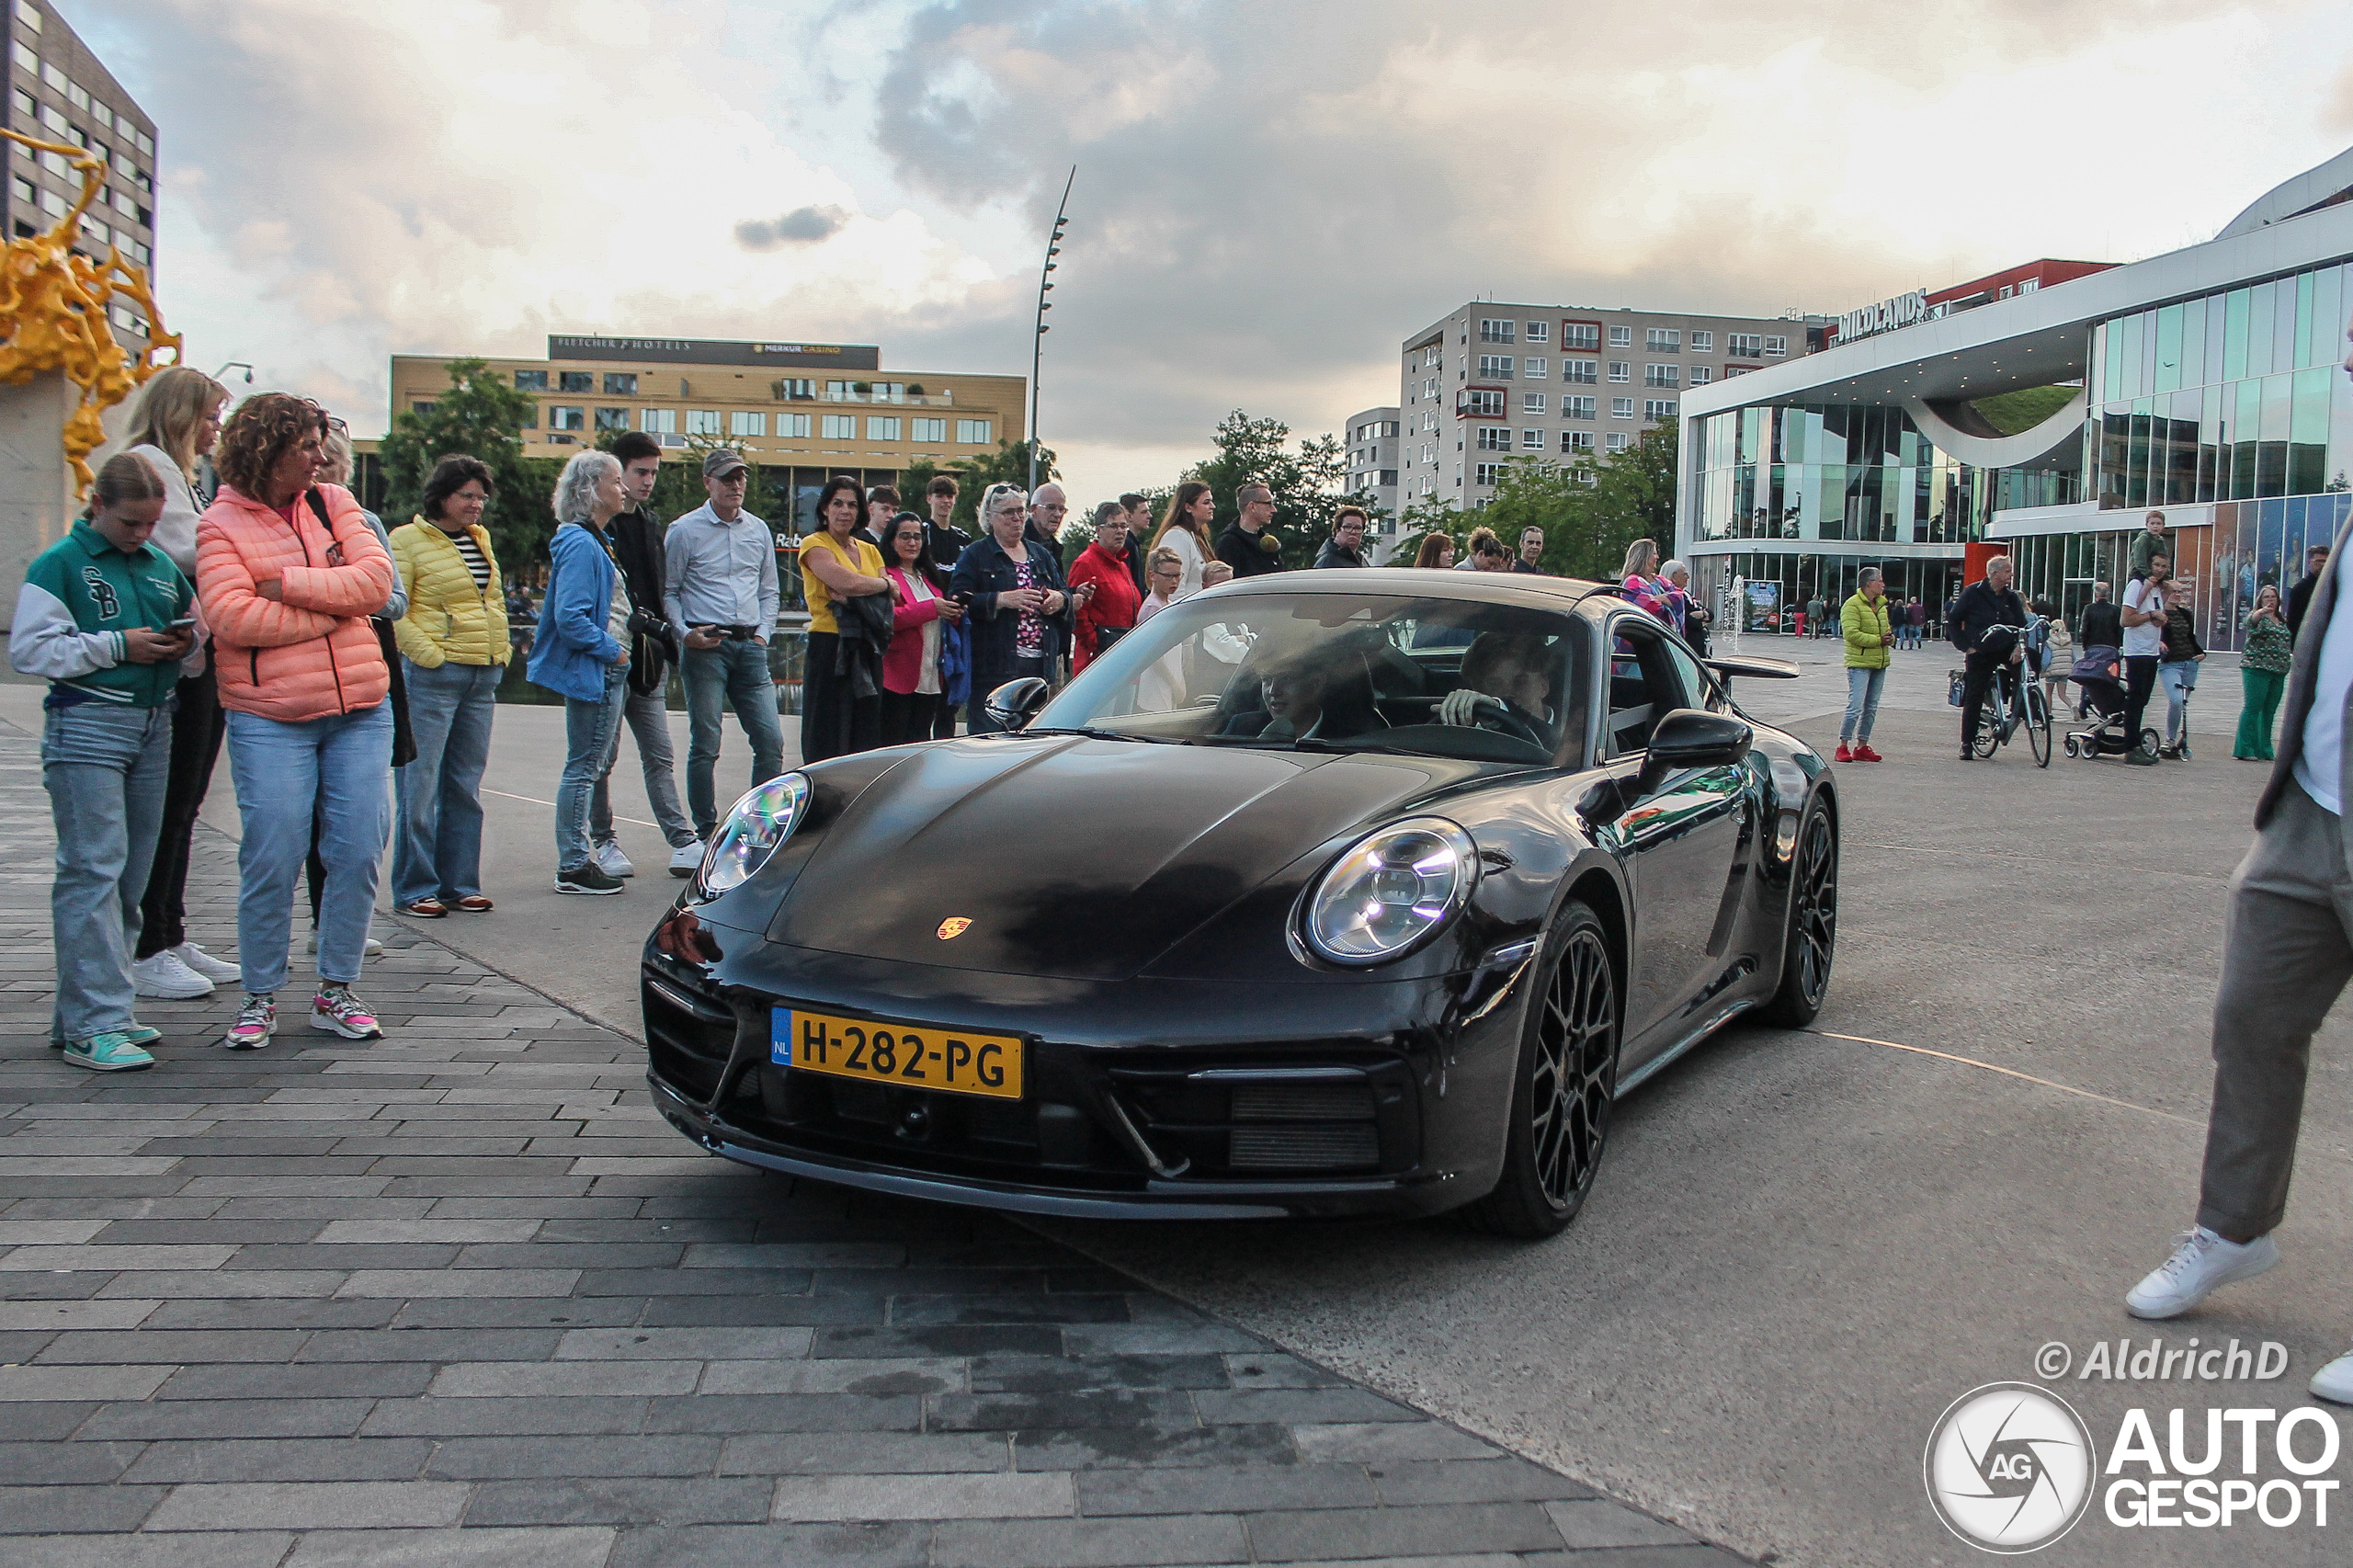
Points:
x=1015, y=703
x=1692, y=737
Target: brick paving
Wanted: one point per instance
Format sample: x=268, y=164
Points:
x=458, y=1296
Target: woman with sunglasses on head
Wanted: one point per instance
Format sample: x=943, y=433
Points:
x=1021, y=612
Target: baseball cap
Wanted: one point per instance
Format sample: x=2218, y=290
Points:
x=719, y=461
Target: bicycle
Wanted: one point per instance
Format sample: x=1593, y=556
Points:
x=2003, y=715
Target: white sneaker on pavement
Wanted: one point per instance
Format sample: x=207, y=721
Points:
x=204, y=964
x=686, y=859
x=2202, y=1263
x=163, y=975
x=2334, y=1382
x=612, y=862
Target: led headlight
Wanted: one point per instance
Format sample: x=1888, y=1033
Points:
x=1391, y=892
x=762, y=820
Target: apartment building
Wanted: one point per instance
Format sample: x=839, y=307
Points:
x=59, y=92
x=1489, y=382
x=1372, y=469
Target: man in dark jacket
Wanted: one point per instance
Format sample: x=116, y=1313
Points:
x=1346, y=546
x=1138, y=509
x=1978, y=614
x=1246, y=545
x=2300, y=597
x=1529, y=561
x=947, y=541
x=2103, y=625
x=1047, y=507
x=637, y=546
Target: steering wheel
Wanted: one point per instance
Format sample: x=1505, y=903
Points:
x=1502, y=720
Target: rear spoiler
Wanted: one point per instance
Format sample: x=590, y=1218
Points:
x=1757, y=667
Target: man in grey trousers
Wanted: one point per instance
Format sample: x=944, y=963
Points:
x=2287, y=955
x=637, y=548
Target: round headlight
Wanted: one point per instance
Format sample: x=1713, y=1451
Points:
x=1393, y=891
x=762, y=820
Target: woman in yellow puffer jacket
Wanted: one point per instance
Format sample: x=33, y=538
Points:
x=454, y=645
x=1870, y=632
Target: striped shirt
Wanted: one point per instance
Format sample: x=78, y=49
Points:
x=471, y=554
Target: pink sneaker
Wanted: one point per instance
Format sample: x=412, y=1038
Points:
x=257, y=1021
x=337, y=1011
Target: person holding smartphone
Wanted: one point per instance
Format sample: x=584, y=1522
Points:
x=103, y=614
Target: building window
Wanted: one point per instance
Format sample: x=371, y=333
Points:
x=52, y=204
x=1665, y=339
x=23, y=189
x=1429, y=452
x=1483, y=403
x=563, y=417
x=1732, y=370
x=1662, y=375
x=621, y=383
x=1494, y=438
x=973, y=432
x=1703, y=343
x=1580, y=335
x=838, y=427
x=1577, y=407
x=531, y=380
x=1538, y=331
x=1618, y=441
x=1531, y=403
x=574, y=381
x=1621, y=337
x=1658, y=408
x=658, y=421
x=1577, y=441
x=1487, y=473
x=1776, y=347
x=1701, y=375
x=26, y=110
x=930, y=431
x=789, y=426
x=1586, y=371
x=703, y=422
x=1495, y=367
x=30, y=17
x=882, y=427
x=2029, y=287
x=422, y=407
x=1622, y=408
x=1532, y=440
x=1388, y=482
x=1496, y=331
x=793, y=389
x=1620, y=371
x=612, y=419
x=1745, y=344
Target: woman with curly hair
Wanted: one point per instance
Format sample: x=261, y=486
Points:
x=288, y=574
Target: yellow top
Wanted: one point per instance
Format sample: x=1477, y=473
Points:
x=857, y=555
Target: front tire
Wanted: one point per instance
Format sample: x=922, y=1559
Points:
x=2038, y=727
x=1811, y=941
x=1564, y=1091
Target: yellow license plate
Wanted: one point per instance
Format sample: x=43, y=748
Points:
x=955, y=1061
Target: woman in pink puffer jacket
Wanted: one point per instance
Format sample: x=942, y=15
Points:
x=287, y=574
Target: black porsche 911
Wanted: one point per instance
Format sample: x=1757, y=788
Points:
x=1326, y=892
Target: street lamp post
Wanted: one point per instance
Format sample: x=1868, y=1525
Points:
x=235, y=365
x=1038, y=341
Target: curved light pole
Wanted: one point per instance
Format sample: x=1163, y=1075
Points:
x=1038, y=342
x=235, y=365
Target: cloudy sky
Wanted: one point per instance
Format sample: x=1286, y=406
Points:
x=1271, y=193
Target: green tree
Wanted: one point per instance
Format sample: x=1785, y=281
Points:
x=482, y=416
x=1423, y=519
x=1305, y=482
x=1009, y=464
x=1632, y=497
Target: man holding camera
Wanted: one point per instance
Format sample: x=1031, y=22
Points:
x=654, y=647
x=721, y=601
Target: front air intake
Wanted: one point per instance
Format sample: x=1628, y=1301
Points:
x=1337, y=1146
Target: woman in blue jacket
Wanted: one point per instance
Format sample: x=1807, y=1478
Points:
x=582, y=655
x=1020, y=609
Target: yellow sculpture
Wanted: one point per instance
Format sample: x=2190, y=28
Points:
x=53, y=315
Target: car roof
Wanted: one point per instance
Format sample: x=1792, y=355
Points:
x=1490, y=587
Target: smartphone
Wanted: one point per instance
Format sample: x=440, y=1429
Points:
x=183, y=624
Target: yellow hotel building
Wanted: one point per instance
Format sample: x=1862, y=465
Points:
x=813, y=409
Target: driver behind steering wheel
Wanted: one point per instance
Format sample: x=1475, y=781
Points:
x=1505, y=688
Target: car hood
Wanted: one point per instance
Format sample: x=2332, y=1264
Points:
x=1072, y=856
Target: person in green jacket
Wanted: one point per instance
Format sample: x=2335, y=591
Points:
x=1868, y=634
x=2263, y=673
x=105, y=615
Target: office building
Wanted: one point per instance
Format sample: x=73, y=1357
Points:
x=59, y=92
x=2203, y=382
x=811, y=409
x=1489, y=382
x=1372, y=471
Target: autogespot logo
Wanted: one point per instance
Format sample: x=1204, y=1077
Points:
x=2009, y=1468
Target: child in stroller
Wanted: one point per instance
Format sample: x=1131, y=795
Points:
x=2100, y=675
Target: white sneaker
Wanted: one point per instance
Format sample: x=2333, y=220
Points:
x=2202, y=1263
x=612, y=862
x=204, y=964
x=686, y=859
x=163, y=975
x=371, y=949
x=2334, y=1382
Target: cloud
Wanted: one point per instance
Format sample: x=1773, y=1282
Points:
x=802, y=225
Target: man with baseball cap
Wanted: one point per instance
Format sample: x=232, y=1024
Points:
x=721, y=598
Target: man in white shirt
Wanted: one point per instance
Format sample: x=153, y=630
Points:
x=2144, y=640
x=2287, y=955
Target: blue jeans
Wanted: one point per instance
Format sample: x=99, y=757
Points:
x=106, y=766
x=2180, y=677
x=437, y=799
x=648, y=716
x=1862, y=705
x=734, y=674
x=337, y=767
x=591, y=732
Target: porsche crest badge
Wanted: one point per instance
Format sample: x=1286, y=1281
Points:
x=953, y=928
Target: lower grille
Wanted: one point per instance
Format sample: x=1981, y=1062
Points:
x=1341, y=1146
x=1302, y=1102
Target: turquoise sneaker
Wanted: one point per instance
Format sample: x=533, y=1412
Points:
x=110, y=1052
x=140, y=1034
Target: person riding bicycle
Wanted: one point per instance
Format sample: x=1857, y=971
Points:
x=1987, y=624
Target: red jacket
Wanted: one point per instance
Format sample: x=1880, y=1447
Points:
x=903, y=660
x=311, y=651
x=1115, y=603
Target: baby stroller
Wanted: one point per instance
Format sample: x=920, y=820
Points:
x=2099, y=674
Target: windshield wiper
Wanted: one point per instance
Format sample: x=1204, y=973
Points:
x=1092, y=734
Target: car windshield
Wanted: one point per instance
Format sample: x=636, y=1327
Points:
x=1354, y=672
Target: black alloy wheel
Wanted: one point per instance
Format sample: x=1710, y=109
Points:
x=1566, y=1088
x=1812, y=939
